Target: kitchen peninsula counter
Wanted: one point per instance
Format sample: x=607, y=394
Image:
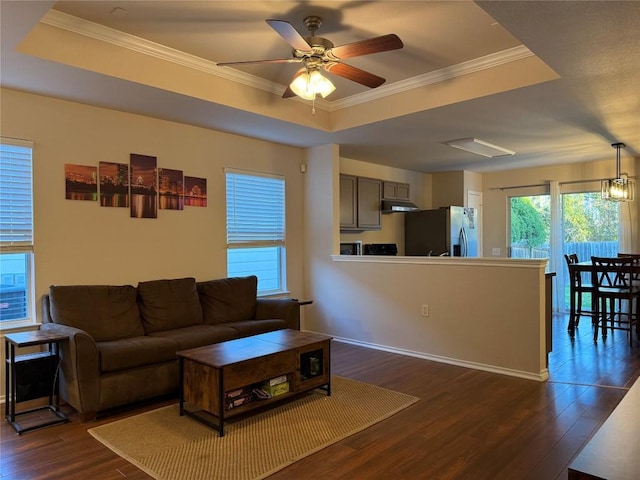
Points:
x=535, y=263
x=488, y=313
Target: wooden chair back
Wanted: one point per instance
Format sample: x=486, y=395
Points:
x=613, y=272
x=575, y=276
x=571, y=258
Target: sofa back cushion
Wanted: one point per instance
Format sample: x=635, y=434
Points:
x=169, y=304
x=105, y=312
x=228, y=299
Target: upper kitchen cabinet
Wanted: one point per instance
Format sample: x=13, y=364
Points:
x=360, y=199
x=395, y=191
x=348, y=202
x=369, y=199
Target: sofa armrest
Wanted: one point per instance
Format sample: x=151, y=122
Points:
x=282, y=308
x=79, y=369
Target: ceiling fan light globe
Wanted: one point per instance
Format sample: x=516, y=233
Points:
x=320, y=84
x=302, y=87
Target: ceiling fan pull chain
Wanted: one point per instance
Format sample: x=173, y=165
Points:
x=313, y=106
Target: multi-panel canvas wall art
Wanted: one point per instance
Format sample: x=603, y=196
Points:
x=80, y=182
x=195, y=191
x=114, y=184
x=143, y=186
x=140, y=186
x=171, y=189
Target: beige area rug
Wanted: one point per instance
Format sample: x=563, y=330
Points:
x=170, y=447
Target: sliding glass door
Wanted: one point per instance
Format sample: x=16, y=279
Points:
x=581, y=223
x=590, y=227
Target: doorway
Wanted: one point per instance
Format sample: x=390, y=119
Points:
x=588, y=225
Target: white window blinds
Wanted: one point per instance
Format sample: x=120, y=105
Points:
x=255, y=209
x=16, y=196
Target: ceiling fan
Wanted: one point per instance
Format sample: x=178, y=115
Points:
x=319, y=53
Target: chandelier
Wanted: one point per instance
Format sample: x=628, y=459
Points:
x=619, y=189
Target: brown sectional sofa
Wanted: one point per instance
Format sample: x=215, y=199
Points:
x=123, y=340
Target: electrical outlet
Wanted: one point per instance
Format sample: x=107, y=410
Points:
x=495, y=252
x=425, y=310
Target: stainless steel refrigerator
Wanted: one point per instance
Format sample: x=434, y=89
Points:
x=449, y=231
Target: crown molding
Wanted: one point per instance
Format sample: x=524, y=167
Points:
x=112, y=36
x=115, y=37
x=153, y=49
x=465, y=68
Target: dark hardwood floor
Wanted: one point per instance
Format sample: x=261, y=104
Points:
x=468, y=425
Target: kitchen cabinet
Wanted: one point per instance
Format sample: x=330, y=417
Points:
x=360, y=199
x=395, y=191
x=369, y=199
x=348, y=202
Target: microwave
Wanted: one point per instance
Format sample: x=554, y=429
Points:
x=351, y=248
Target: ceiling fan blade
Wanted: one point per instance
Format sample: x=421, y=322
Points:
x=290, y=34
x=288, y=93
x=367, y=47
x=278, y=60
x=355, y=74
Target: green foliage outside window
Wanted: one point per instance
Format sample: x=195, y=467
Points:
x=588, y=218
x=527, y=225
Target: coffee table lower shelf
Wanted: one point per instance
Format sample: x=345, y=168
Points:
x=208, y=373
x=217, y=421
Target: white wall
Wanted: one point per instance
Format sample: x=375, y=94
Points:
x=322, y=225
x=79, y=242
x=483, y=313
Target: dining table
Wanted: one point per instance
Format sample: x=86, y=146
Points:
x=587, y=267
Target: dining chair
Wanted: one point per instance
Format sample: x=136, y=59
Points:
x=636, y=258
x=578, y=286
x=615, y=295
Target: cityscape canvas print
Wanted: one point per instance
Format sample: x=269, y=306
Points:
x=81, y=182
x=114, y=184
x=171, y=189
x=143, y=186
x=195, y=191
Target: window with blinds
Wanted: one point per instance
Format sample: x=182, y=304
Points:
x=16, y=230
x=256, y=229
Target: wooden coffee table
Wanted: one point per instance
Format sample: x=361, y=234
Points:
x=220, y=379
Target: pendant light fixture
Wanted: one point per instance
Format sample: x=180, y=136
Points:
x=619, y=189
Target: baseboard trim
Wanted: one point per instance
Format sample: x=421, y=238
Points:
x=541, y=377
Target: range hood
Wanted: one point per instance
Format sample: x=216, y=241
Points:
x=397, y=206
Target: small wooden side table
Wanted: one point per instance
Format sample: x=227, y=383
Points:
x=31, y=376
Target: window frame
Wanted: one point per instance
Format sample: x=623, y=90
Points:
x=244, y=231
x=13, y=245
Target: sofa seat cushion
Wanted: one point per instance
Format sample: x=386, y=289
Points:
x=134, y=352
x=228, y=299
x=198, y=335
x=254, y=327
x=169, y=304
x=106, y=312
